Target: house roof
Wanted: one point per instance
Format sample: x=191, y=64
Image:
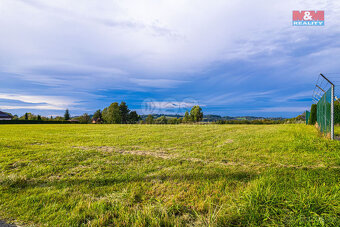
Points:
x=73, y=120
x=4, y=115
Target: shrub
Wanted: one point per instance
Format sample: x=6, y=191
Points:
x=337, y=112
x=313, y=112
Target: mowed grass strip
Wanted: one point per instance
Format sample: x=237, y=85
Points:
x=151, y=175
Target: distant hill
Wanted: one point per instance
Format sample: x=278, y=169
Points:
x=155, y=116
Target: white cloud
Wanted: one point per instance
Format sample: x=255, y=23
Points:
x=171, y=105
x=157, y=83
x=86, y=46
x=45, y=102
x=36, y=107
x=160, y=38
x=299, y=95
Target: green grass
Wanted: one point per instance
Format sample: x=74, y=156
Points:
x=165, y=175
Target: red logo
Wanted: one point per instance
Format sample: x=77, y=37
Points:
x=309, y=15
x=308, y=18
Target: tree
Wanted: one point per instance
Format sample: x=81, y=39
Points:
x=124, y=112
x=44, y=118
x=84, y=119
x=162, y=120
x=116, y=117
x=313, y=113
x=196, y=114
x=337, y=112
x=186, y=117
x=173, y=121
x=39, y=118
x=149, y=119
x=133, y=117
x=111, y=114
x=58, y=118
x=106, y=115
x=97, y=115
x=28, y=116
x=67, y=115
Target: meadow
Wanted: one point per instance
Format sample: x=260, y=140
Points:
x=168, y=175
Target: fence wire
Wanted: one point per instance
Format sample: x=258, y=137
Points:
x=335, y=79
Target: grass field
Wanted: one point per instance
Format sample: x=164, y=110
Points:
x=151, y=175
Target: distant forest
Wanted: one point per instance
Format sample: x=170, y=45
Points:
x=121, y=114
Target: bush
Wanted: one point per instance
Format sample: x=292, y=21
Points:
x=313, y=117
x=161, y=120
x=173, y=121
x=337, y=112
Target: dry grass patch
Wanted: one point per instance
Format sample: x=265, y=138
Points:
x=157, y=154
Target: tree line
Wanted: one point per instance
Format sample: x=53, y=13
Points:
x=195, y=115
x=118, y=114
x=32, y=117
x=121, y=114
x=251, y=122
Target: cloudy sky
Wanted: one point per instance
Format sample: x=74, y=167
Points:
x=231, y=57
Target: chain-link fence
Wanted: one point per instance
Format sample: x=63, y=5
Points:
x=324, y=114
x=324, y=97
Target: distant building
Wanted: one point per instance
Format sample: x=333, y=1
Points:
x=5, y=116
x=73, y=120
x=97, y=121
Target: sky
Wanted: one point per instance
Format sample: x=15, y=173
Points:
x=231, y=57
